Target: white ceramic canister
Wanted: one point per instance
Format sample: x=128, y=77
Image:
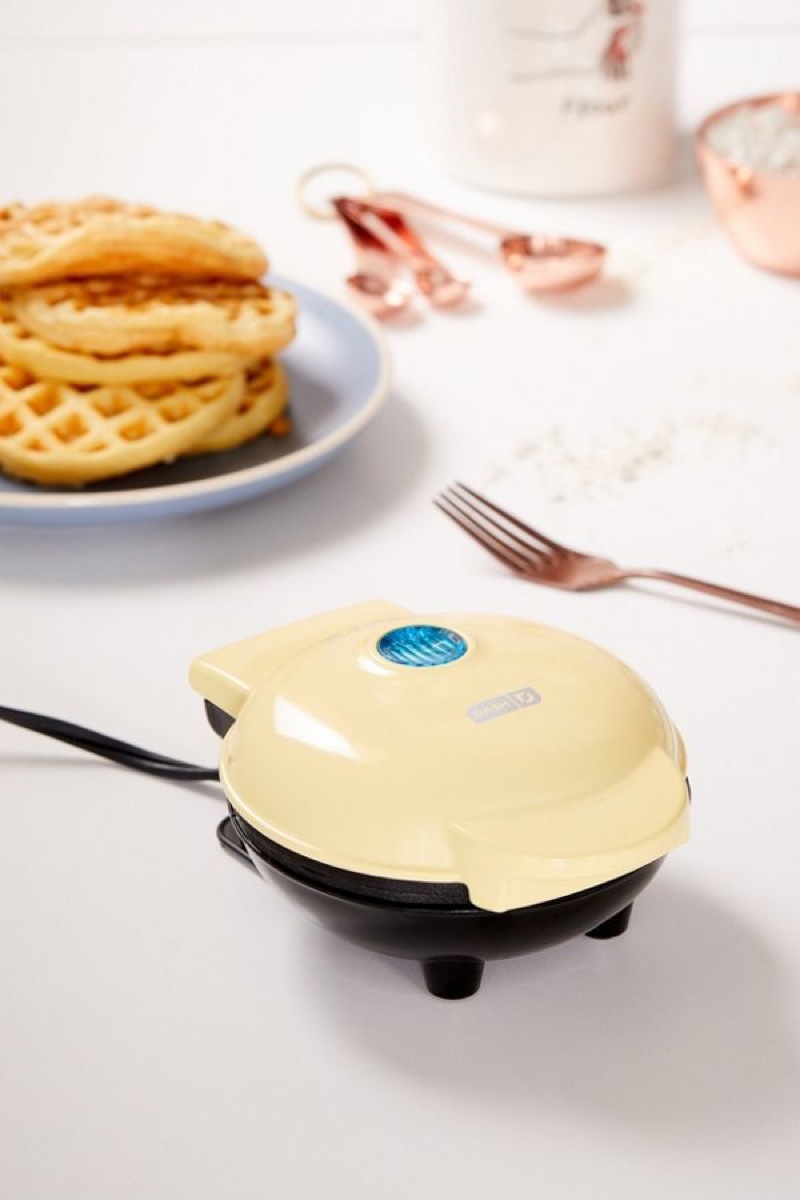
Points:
x=555, y=97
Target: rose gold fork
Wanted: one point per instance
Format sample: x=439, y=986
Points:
x=533, y=556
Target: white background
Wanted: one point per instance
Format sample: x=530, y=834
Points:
x=183, y=18
x=168, y=1025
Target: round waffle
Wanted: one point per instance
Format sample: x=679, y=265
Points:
x=22, y=348
x=121, y=315
x=102, y=236
x=59, y=433
x=264, y=400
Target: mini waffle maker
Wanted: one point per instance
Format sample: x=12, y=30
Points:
x=453, y=788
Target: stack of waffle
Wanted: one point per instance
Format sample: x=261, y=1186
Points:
x=130, y=337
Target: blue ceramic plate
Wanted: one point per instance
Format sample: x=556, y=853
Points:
x=338, y=376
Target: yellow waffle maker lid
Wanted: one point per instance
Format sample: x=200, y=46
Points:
x=521, y=761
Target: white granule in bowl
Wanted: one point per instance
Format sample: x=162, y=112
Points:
x=765, y=137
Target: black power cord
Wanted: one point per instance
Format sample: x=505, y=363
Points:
x=123, y=753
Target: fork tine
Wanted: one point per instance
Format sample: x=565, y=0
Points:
x=508, y=557
x=556, y=547
x=483, y=519
x=501, y=551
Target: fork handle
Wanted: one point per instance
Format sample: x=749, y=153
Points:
x=789, y=612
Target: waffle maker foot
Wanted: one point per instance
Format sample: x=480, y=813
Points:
x=614, y=926
x=453, y=978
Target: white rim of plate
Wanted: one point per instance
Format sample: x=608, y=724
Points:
x=141, y=497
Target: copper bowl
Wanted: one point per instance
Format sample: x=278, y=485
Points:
x=759, y=209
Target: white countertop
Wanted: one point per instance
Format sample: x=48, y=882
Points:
x=169, y=1026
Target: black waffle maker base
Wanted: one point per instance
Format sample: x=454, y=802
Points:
x=433, y=923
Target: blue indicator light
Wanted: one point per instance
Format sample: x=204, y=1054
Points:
x=422, y=646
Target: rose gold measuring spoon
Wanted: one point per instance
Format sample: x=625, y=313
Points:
x=437, y=282
x=376, y=283
x=543, y=263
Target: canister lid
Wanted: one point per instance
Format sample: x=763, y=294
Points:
x=521, y=761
